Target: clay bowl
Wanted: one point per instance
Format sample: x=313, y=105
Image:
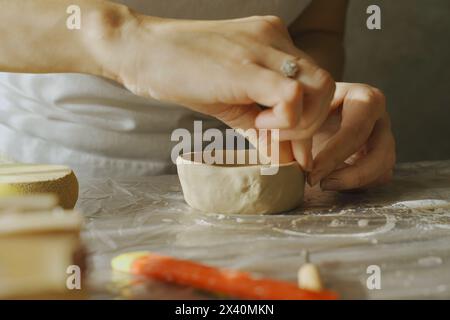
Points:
x=239, y=188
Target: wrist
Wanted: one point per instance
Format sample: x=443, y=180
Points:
x=108, y=28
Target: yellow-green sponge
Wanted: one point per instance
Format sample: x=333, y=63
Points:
x=35, y=179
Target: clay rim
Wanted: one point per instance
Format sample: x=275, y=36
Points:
x=185, y=158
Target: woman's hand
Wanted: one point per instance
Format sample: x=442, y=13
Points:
x=355, y=147
x=227, y=69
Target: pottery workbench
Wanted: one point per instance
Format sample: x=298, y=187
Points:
x=402, y=230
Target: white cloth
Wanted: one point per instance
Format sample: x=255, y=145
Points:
x=90, y=122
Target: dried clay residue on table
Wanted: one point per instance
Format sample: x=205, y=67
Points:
x=404, y=228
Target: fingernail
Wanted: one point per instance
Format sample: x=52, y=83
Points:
x=307, y=166
x=309, y=162
x=329, y=184
x=315, y=177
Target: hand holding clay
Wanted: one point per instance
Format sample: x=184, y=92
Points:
x=225, y=69
x=355, y=148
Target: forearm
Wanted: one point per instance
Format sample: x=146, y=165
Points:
x=34, y=37
x=326, y=49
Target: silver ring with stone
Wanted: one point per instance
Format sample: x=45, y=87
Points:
x=289, y=68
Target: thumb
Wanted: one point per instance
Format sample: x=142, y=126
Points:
x=303, y=154
x=242, y=118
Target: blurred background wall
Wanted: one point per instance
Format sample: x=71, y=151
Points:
x=409, y=59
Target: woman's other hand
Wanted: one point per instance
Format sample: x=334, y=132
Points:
x=355, y=147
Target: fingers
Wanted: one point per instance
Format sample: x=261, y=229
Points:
x=271, y=46
x=301, y=150
x=242, y=118
x=283, y=96
x=317, y=87
x=362, y=107
x=268, y=119
x=271, y=89
x=255, y=84
x=237, y=116
x=383, y=179
x=375, y=168
x=270, y=149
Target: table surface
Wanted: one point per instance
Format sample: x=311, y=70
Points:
x=403, y=228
